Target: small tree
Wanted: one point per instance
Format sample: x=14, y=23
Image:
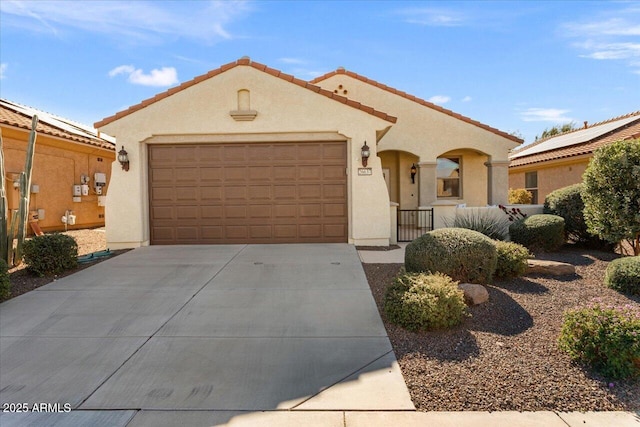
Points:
x=612, y=193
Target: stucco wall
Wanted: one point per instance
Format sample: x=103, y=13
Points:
x=282, y=107
x=429, y=133
x=550, y=176
x=421, y=130
x=58, y=165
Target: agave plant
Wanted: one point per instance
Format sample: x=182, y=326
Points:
x=19, y=218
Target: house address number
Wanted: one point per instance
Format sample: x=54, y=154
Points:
x=364, y=171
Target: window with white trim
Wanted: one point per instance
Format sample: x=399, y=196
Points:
x=449, y=172
x=531, y=185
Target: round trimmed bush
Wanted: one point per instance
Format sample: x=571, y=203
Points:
x=419, y=302
x=50, y=254
x=542, y=232
x=5, y=283
x=623, y=274
x=567, y=203
x=605, y=338
x=464, y=255
x=512, y=259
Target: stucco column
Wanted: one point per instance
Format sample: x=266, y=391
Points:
x=428, y=184
x=497, y=182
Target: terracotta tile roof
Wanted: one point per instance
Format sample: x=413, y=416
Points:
x=628, y=128
x=20, y=116
x=417, y=100
x=261, y=67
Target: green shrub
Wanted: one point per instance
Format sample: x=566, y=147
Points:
x=464, y=255
x=623, y=274
x=512, y=259
x=482, y=222
x=50, y=254
x=420, y=302
x=541, y=232
x=605, y=338
x=520, y=196
x=567, y=203
x=5, y=283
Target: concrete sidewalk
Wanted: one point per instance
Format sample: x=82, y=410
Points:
x=212, y=328
x=132, y=418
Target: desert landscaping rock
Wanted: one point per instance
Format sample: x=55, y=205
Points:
x=550, y=268
x=505, y=357
x=474, y=294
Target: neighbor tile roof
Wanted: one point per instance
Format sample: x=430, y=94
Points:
x=418, y=100
x=261, y=67
x=580, y=141
x=20, y=116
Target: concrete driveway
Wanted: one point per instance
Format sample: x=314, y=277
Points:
x=163, y=335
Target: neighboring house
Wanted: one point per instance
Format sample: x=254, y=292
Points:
x=560, y=160
x=248, y=154
x=66, y=154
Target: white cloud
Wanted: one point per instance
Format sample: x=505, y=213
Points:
x=439, y=99
x=123, y=69
x=295, y=61
x=433, y=17
x=555, y=115
x=467, y=99
x=165, y=76
x=135, y=21
x=610, y=36
x=3, y=70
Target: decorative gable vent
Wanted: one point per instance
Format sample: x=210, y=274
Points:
x=244, y=112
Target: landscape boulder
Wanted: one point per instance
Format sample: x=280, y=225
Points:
x=474, y=294
x=550, y=268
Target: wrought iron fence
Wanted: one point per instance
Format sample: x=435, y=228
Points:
x=413, y=223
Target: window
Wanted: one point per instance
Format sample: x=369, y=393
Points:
x=448, y=172
x=531, y=185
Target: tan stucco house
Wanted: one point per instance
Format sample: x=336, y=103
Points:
x=68, y=157
x=248, y=154
x=560, y=160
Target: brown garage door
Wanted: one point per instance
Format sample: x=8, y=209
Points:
x=248, y=193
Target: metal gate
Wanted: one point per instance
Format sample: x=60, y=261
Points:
x=413, y=223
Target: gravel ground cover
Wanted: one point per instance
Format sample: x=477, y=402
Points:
x=505, y=356
x=89, y=241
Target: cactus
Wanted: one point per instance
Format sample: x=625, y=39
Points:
x=7, y=236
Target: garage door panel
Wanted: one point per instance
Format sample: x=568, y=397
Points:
x=235, y=153
x=211, y=212
x=334, y=210
x=285, y=211
x=235, y=193
x=163, y=212
x=234, y=212
x=211, y=194
x=285, y=173
x=211, y=174
x=186, y=194
x=187, y=212
x=162, y=175
x=235, y=173
x=187, y=233
x=244, y=193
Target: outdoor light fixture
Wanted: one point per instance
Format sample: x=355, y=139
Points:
x=123, y=158
x=413, y=173
x=366, y=152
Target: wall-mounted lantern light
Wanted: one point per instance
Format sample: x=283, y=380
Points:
x=123, y=158
x=365, y=153
x=413, y=173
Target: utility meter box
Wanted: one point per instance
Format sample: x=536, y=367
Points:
x=100, y=179
x=85, y=189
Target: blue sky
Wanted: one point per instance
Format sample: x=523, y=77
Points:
x=518, y=66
